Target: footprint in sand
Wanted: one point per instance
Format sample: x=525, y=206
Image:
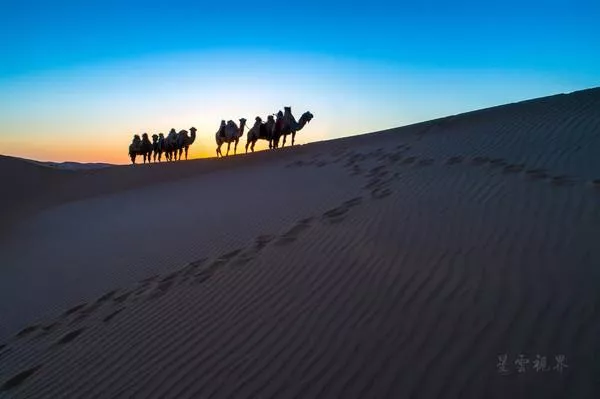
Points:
x=376, y=171
x=121, y=298
x=191, y=267
x=74, y=309
x=106, y=296
x=109, y=317
x=86, y=312
x=497, y=162
x=380, y=193
x=18, y=379
x=409, y=160
x=356, y=170
x=339, y=213
x=513, y=168
x=454, y=160
x=536, y=174
x=162, y=288
x=27, y=330
x=49, y=328
x=393, y=158
x=294, y=233
x=262, y=241
x=247, y=256
x=335, y=215
x=372, y=183
x=425, y=162
x=353, y=202
x=69, y=337
x=480, y=160
x=563, y=180
x=140, y=290
x=207, y=273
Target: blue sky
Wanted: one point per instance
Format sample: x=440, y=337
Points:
x=86, y=68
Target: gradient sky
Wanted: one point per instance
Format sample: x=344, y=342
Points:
x=79, y=78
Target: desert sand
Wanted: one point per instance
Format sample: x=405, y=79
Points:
x=417, y=262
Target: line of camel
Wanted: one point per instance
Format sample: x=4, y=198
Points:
x=176, y=145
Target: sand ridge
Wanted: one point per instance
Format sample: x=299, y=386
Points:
x=422, y=262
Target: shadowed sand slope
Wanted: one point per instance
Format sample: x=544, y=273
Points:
x=405, y=263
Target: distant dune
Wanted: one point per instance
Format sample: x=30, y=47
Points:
x=74, y=165
x=439, y=260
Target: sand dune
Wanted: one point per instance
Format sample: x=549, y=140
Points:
x=396, y=264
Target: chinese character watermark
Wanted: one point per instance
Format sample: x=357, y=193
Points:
x=522, y=364
x=561, y=363
x=502, y=360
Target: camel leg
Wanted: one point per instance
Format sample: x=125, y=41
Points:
x=252, y=147
x=235, y=147
x=293, y=137
x=186, y=153
x=228, y=146
x=219, y=150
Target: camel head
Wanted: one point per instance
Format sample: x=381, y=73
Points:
x=145, y=136
x=307, y=116
x=154, y=138
x=161, y=135
x=136, y=137
x=193, y=129
x=242, y=123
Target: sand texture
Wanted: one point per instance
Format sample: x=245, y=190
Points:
x=398, y=264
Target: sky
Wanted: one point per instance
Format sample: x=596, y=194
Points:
x=79, y=78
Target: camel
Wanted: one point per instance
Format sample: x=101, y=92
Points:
x=158, y=144
x=184, y=142
x=140, y=147
x=260, y=131
x=156, y=150
x=135, y=147
x=290, y=126
x=170, y=147
x=230, y=133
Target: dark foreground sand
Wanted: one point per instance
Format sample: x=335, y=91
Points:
x=400, y=264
